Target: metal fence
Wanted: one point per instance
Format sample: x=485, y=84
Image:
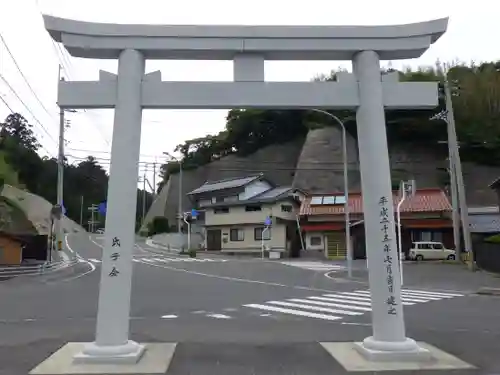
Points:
x=44, y=268
x=488, y=256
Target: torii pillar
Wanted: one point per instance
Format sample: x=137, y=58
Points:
x=366, y=92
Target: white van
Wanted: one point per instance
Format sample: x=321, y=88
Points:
x=431, y=251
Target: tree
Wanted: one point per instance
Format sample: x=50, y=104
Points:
x=476, y=106
x=17, y=128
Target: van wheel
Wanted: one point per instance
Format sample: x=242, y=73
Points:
x=419, y=257
x=451, y=257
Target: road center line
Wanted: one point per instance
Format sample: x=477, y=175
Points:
x=229, y=278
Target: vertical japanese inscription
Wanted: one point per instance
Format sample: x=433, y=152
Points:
x=384, y=213
x=114, y=257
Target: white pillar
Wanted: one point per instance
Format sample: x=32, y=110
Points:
x=112, y=344
x=389, y=338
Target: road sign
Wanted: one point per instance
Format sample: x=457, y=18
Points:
x=268, y=221
x=103, y=206
x=194, y=213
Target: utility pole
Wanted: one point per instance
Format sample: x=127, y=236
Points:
x=60, y=172
x=154, y=180
x=144, y=196
x=81, y=211
x=93, y=209
x=457, y=172
x=455, y=210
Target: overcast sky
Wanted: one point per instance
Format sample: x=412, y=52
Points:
x=472, y=27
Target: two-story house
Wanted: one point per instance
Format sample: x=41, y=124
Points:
x=235, y=211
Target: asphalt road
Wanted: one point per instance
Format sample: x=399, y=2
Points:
x=244, y=316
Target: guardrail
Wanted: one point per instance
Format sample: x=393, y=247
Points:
x=36, y=270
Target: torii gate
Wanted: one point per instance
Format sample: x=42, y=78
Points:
x=248, y=46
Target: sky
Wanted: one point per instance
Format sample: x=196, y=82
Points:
x=471, y=28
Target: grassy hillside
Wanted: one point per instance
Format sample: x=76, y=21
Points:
x=7, y=174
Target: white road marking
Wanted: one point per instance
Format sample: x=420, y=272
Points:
x=334, y=306
x=292, y=312
x=169, y=316
x=314, y=266
x=219, y=316
x=93, y=260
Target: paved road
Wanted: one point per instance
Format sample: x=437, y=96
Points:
x=244, y=315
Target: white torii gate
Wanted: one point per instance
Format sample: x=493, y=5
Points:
x=365, y=91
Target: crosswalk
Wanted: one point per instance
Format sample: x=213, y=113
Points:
x=338, y=305
x=314, y=265
x=164, y=260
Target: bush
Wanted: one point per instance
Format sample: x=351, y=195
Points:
x=493, y=239
x=158, y=225
x=192, y=253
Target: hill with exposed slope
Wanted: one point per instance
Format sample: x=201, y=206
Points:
x=24, y=212
x=315, y=164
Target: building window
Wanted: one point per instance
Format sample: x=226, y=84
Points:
x=427, y=236
x=315, y=241
x=232, y=198
x=221, y=210
x=237, y=235
x=253, y=208
x=257, y=234
x=286, y=208
x=204, y=202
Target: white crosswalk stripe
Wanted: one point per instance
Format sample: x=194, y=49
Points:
x=160, y=260
x=336, y=306
x=314, y=266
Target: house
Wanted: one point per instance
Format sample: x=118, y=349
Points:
x=424, y=217
x=483, y=222
x=234, y=212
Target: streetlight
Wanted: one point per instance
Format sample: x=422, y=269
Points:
x=179, y=207
x=346, y=189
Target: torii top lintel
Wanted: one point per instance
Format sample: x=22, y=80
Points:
x=210, y=42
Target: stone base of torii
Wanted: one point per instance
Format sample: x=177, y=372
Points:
x=365, y=91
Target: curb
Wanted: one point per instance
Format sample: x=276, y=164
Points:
x=486, y=291
x=163, y=248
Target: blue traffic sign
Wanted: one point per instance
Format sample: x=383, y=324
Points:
x=103, y=206
x=268, y=221
x=194, y=213
x=63, y=209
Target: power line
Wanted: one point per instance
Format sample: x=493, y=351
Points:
x=22, y=74
x=6, y=104
x=28, y=109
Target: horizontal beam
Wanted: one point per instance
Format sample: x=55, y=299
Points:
x=264, y=95
x=223, y=42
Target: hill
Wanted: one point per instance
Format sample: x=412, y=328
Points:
x=268, y=141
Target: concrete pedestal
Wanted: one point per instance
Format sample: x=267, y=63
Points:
x=130, y=353
x=402, y=351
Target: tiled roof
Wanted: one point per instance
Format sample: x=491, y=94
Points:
x=225, y=184
x=425, y=200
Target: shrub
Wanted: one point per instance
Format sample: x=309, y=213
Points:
x=493, y=239
x=158, y=225
x=192, y=253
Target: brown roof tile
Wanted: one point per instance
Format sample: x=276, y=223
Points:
x=425, y=200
